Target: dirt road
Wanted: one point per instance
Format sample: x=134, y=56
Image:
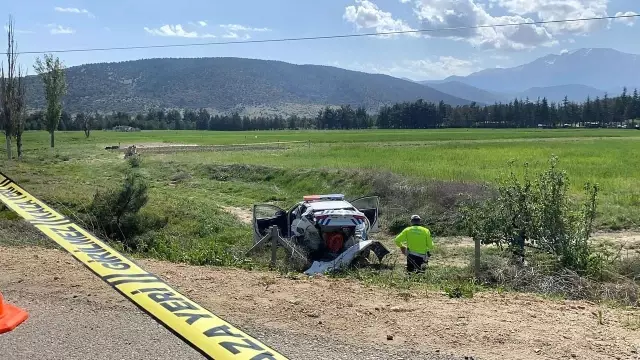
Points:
x=75, y=315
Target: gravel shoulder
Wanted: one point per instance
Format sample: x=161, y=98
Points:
x=75, y=315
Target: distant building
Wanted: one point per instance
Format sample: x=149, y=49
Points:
x=125, y=128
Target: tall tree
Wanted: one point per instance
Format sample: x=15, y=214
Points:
x=52, y=75
x=12, y=92
x=19, y=113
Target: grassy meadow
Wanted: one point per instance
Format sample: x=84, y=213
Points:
x=204, y=195
x=78, y=166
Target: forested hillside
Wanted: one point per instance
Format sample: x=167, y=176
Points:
x=407, y=115
x=225, y=85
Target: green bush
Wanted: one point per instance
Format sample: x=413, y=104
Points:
x=117, y=211
x=134, y=161
x=537, y=213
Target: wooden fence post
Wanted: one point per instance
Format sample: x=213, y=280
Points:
x=477, y=258
x=274, y=245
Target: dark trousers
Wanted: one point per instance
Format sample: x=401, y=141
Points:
x=414, y=263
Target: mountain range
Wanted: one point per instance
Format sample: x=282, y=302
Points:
x=575, y=74
x=252, y=86
x=228, y=84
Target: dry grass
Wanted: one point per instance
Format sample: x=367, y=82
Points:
x=497, y=271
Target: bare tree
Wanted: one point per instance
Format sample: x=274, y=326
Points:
x=86, y=123
x=19, y=112
x=12, y=94
x=52, y=74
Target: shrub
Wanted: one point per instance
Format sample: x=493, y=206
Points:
x=134, y=161
x=117, y=211
x=537, y=213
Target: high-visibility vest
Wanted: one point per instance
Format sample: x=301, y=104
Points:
x=417, y=239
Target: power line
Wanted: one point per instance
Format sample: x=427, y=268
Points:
x=333, y=36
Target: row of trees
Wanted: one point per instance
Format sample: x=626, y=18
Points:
x=519, y=113
x=12, y=93
x=409, y=115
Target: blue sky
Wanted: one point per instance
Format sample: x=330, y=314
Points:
x=44, y=25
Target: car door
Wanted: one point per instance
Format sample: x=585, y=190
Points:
x=369, y=205
x=267, y=215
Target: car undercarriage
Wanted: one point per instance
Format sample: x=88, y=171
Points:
x=329, y=232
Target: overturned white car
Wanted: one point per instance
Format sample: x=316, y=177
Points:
x=331, y=232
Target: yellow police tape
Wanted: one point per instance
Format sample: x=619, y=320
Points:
x=207, y=333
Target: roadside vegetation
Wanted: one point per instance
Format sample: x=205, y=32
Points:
x=535, y=223
x=180, y=206
x=536, y=237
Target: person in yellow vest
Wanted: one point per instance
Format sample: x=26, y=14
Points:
x=416, y=244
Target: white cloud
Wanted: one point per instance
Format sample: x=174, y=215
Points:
x=424, y=69
x=172, y=31
x=442, y=67
x=564, y=51
x=629, y=20
x=233, y=31
x=241, y=28
x=60, y=30
x=234, y=35
x=74, y=11
x=199, y=24
x=554, y=10
x=460, y=20
x=367, y=15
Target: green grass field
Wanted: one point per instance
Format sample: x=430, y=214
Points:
x=206, y=196
x=100, y=138
x=187, y=187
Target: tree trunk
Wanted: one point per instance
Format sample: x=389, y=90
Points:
x=52, y=138
x=8, y=137
x=19, y=145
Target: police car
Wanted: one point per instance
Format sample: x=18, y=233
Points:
x=333, y=231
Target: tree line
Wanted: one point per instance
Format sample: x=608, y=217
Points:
x=519, y=113
x=598, y=112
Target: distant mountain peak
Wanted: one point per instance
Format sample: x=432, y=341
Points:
x=596, y=68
